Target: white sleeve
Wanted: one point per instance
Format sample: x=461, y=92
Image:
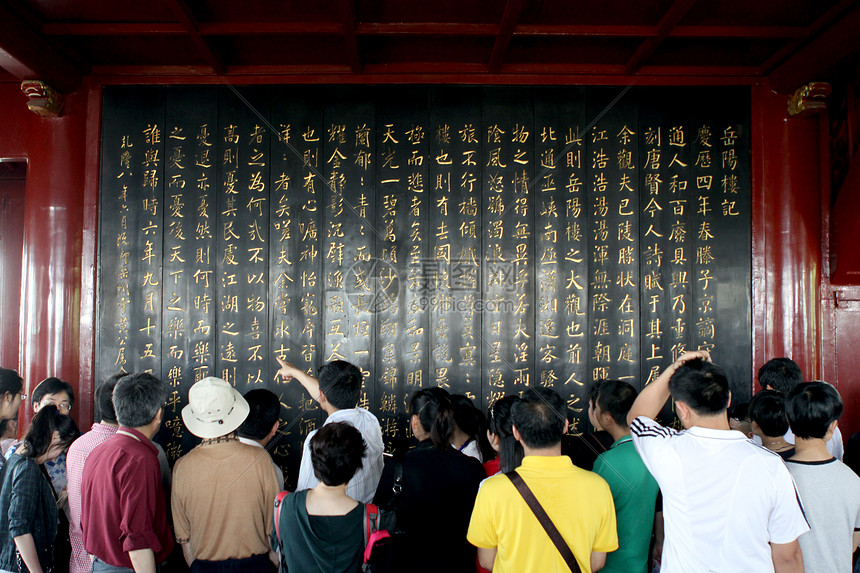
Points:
x=307, y=479
x=834, y=445
x=787, y=520
x=652, y=442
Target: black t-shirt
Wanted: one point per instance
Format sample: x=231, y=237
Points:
x=439, y=489
x=320, y=543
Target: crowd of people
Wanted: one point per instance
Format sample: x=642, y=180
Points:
x=757, y=487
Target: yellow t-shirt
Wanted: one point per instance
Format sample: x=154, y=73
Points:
x=577, y=501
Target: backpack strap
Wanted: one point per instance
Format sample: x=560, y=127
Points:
x=278, y=503
x=371, y=520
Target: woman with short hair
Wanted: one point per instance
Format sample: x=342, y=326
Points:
x=322, y=529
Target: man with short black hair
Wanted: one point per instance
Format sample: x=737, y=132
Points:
x=262, y=424
x=728, y=505
x=830, y=490
x=578, y=502
x=76, y=457
x=634, y=490
x=781, y=375
x=337, y=391
x=123, y=510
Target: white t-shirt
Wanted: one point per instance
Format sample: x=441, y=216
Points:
x=471, y=449
x=724, y=498
x=362, y=486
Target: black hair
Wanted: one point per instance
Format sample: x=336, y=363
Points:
x=37, y=440
x=137, y=398
x=336, y=452
x=780, y=374
x=435, y=414
x=265, y=410
x=616, y=398
x=500, y=424
x=594, y=391
x=472, y=422
x=767, y=409
x=811, y=408
x=741, y=412
x=104, y=398
x=10, y=382
x=539, y=417
x=702, y=386
x=340, y=381
x=53, y=386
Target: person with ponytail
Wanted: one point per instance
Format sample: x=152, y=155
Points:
x=501, y=436
x=28, y=504
x=438, y=489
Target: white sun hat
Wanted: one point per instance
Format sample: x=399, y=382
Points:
x=214, y=409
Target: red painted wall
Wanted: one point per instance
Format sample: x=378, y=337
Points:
x=53, y=238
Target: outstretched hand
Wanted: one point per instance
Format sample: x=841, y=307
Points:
x=287, y=370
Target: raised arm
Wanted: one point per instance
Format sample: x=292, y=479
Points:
x=652, y=398
x=311, y=384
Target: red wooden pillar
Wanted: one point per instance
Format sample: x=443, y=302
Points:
x=53, y=222
x=787, y=235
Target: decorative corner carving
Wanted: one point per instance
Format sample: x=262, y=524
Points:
x=42, y=99
x=809, y=99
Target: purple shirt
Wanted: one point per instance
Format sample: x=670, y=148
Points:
x=122, y=502
x=75, y=460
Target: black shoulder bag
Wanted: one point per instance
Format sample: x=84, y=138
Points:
x=544, y=520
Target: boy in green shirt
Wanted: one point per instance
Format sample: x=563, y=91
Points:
x=634, y=489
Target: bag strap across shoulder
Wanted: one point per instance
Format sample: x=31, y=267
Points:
x=278, y=503
x=544, y=520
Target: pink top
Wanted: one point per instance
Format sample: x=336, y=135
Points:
x=75, y=459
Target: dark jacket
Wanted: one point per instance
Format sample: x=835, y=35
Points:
x=439, y=489
x=27, y=505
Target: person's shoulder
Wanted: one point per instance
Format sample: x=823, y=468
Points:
x=645, y=427
x=86, y=443
x=496, y=484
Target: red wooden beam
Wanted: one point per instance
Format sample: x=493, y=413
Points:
x=187, y=19
x=667, y=23
x=738, y=32
x=404, y=74
x=25, y=55
x=743, y=71
x=350, y=41
x=802, y=60
x=506, y=29
x=425, y=28
x=270, y=28
x=817, y=27
x=584, y=30
x=113, y=29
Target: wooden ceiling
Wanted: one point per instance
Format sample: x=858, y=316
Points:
x=474, y=41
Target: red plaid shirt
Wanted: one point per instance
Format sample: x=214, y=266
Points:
x=75, y=459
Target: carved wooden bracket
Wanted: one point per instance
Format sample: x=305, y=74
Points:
x=42, y=99
x=809, y=99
